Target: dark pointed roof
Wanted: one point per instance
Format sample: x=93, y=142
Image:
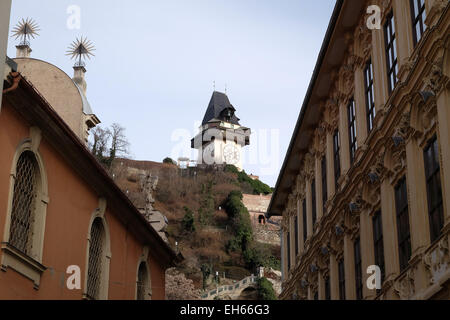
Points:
x=219, y=103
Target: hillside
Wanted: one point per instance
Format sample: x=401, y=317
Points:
x=207, y=221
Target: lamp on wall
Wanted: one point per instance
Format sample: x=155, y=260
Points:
x=304, y=283
x=313, y=267
x=324, y=250
x=354, y=207
x=373, y=177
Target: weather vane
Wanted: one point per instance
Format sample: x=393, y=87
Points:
x=26, y=29
x=80, y=49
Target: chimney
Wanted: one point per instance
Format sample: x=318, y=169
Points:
x=23, y=50
x=78, y=77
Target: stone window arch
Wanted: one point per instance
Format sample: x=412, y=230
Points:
x=143, y=278
x=23, y=239
x=98, y=256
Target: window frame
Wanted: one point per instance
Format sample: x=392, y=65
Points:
x=296, y=235
x=341, y=278
x=28, y=264
x=352, y=132
x=358, y=269
x=324, y=182
x=391, y=50
x=403, y=223
x=143, y=260
x=418, y=20
x=305, y=220
x=337, y=157
x=377, y=224
x=370, y=95
x=433, y=183
x=313, y=201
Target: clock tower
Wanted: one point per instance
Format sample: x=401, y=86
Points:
x=221, y=137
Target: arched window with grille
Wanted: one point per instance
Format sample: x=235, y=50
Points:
x=143, y=282
x=24, y=203
x=96, y=252
x=23, y=238
x=98, y=256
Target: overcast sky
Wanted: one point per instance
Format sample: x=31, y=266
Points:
x=156, y=62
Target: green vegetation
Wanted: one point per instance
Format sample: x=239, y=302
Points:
x=188, y=221
x=207, y=205
x=265, y=290
x=256, y=186
x=240, y=217
x=169, y=161
x=259, y=255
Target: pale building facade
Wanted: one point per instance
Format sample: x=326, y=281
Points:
x=366, y=180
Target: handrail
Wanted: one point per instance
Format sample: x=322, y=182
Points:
x=230, y=288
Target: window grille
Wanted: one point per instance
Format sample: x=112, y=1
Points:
x=96, y=248
x=142, y=283
x=24, y=203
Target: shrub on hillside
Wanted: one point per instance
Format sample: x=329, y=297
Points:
x=257, y=186
x=188, y=222
x=265, y=290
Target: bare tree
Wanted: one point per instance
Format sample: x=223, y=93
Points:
x=119, y=143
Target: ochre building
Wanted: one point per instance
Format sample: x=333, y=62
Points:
x=61, y=214
x=366, y=180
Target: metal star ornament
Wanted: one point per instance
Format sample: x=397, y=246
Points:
x=26, y=29
x=80, y=49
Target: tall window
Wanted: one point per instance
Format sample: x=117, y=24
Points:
x=434, y=189
x=305, y=222
x=391, y=51
x=142, y=282
x=327, y=289
x=377, y=226
x=351, y=109
x=314, y=208
x=337, y=157
x=316, y=295
x=324, y=183
x=96, y=253
x=296, y=235
x=403, y=231
x=341, y=269
x=358, y=270
x=370, y=95
x=288, y=239
x=23, y=206
x=418, y=15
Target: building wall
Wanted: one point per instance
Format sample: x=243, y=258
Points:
x=5, y=10
x=405, y=122
x=71, y=205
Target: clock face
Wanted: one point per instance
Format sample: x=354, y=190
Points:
x=231, y=154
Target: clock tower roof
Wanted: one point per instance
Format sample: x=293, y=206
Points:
x=220, y=108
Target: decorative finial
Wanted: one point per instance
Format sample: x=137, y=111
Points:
x=225, y=88
x=214, y=85
x=80, y=49
x=25, y=30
